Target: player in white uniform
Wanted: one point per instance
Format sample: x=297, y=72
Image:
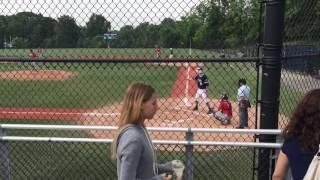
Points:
x=203, y=83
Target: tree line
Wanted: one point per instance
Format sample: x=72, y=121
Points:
x=211, y=24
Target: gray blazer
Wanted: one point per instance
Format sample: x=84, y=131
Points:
x=135, y=159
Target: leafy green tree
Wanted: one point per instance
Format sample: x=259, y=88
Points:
x=209, y=35
x=169, y=36
x=187, y=28
x=47, y=31
x=153, y=35
x=233, y=25
x=141, y=35
x=67, y=32
x=251, y=25
x=34, y=28
x=19, y=42
x=125, y=38
x=97, y=25
x=3, y=29
x=302, y=20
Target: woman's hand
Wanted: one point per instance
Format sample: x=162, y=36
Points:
x=166, y=176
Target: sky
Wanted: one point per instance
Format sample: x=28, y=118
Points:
x=118, y=12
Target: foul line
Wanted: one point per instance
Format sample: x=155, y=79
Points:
x=102, y=114
x=59, y=113
x=193, y=112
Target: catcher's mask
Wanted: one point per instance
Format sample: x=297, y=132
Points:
x=224, y=96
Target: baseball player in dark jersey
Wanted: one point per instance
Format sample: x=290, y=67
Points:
x=203, y=83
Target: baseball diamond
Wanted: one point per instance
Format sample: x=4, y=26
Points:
x=71, y=62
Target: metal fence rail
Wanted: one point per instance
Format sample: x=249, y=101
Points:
x=191, y=148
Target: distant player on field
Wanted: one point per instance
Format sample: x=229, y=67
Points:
x=33, y=55
x=203, y=83
x=40, y=51
x=171, y=53
x=157, y=51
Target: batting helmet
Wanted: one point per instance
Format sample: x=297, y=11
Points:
x=199, y=70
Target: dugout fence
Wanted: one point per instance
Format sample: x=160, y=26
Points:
x=53, y=160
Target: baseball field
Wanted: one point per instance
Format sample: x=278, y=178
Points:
x=91, y=94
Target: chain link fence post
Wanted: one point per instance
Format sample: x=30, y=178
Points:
x=4, y=148
x=189, y=154
x=271, y=74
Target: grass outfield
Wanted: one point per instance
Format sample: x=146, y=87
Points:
x=223, y=77
x=149, y=52
x=94, y=85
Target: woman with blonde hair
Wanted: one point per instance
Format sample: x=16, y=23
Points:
x=302, y=138
x=132, y=146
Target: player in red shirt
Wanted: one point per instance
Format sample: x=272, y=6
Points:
x=157, y=51
x=32, y=54
x=224, y=113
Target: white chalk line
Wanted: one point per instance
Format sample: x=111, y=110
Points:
x=191, y=111
x=61, y=113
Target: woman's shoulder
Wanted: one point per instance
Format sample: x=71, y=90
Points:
x=292, y=141
x=293, y=144
x=132, y=131
x=290, y=146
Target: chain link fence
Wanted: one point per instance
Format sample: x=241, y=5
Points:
x=70, y=62
x=301, y=51
x=78, y=161
x=56, y=158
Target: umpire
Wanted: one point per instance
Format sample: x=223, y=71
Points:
x=244, y=103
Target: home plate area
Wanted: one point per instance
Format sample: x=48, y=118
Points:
x=173, y=113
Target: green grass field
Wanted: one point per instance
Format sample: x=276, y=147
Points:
x=94, y=85
x=148, y=52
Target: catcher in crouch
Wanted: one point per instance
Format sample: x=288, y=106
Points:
x=224, y=113
x=202, y=82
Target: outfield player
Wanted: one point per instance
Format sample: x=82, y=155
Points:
x=203, y=83
x=171, y=53
x=157, y=51
x=33, y=55
x=40, y=51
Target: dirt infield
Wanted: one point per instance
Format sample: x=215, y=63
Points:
x=36, y=75
x=172, y=113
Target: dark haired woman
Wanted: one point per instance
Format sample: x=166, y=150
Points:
x=302, y=138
